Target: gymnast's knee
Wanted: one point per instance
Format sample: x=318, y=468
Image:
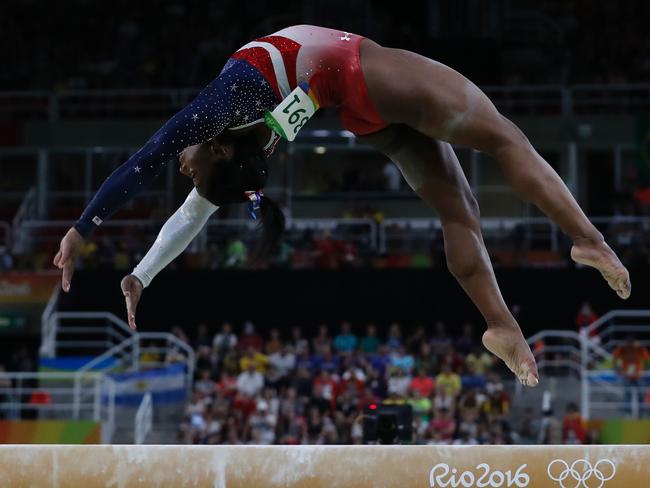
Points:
x=505, y=137
x=463, y=266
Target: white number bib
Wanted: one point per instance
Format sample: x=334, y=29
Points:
x=292, y=113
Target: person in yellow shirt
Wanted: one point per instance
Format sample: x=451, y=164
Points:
x=449, y=380
x=479, y=360
x=251, y=356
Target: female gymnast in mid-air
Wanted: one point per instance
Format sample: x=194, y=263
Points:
x=409, y=107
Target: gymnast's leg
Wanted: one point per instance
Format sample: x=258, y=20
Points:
x=433, y=171
x=444, y=105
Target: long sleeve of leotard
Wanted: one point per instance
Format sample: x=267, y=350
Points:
x=238, y=96
x=175, y=235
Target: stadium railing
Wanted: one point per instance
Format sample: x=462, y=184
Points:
x=59, y=395
x=143, y=419
x=513, y=99
x=588, y=355
x=392, y=235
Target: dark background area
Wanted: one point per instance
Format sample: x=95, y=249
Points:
x=125, y=44
x=547, y=298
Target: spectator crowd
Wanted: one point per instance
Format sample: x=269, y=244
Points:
x=296, y=389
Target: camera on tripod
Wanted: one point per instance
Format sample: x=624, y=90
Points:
x=388, y=424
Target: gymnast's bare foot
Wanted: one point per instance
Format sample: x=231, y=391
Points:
x=508, y=343
x=600, y=256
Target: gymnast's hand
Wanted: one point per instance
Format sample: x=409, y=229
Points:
x=70, y=248
x=132, y=290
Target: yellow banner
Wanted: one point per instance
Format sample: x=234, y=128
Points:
x=27, y=287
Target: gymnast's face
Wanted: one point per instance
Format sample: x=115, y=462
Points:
x=198, y=162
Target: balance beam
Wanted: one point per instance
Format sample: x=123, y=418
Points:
x=91, y=466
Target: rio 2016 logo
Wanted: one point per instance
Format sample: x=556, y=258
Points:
x=580, y=473
x=442, y=475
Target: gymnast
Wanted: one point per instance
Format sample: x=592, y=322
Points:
x=408, y=107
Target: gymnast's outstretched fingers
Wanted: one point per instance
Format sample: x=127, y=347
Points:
x=132, y=289
x=70, y=248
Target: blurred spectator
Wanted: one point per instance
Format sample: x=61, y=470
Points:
x=573, y=427
x=394, y=340
x=471, y=379
x=224, y=341
x=381, y=361
x=327, y=385
x=299, y=343
x=629, y=361
x=448, y=380
x=423, y=383
x=326, y=361
x=346, y=341
x=235, y=254
x=455, y=361
x=22, y=360
x=586, y=316
x=421, y=406
x=202, y=336
x=497, y=405
x=466, y=343
x=370, y=342
x=479, y=360
x=530, y=426
x=254, y=358
x=179, y=332
x=250, y=381
x=262, y=424
x=398, y=382
x=274, y=344
x=205, y=385
x=440, y=340
x=444, y=424
x=283, y=360
x=250, y=338
x=467, y=436
x=426, y=359
x=414, y=340
x=400, y=359
x=550, y=430
x=322, y=343
x=204, y=360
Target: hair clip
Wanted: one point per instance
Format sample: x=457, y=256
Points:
x=255, y=198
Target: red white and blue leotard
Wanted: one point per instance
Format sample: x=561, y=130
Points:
x=255, y=79
x=328, y=60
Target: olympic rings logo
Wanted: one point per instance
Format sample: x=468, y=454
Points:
x=580, y=471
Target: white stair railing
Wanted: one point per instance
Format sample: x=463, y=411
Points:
x=105, y=328
x=59, y=397
x=143, y=419
x=586, y=352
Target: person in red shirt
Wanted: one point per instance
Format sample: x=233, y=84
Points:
x=328, y=384
x=250, y=338
x=423, y=383
x=573, y=427
x=443, y=423
x=586, y=316
x=629, y=361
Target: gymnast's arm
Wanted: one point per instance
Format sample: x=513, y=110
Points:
x=202, y=119
x=175, y=235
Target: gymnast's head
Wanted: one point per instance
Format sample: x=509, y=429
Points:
x=233, y=169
